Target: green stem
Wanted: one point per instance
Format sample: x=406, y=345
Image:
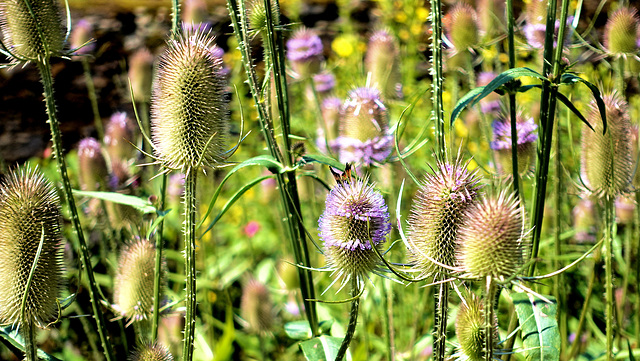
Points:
x=91, y=90
x=620, y=84
x=440, y=322
x=175, y=18
x=28, y=332
x=353, y=320
x=558, y=281
x=47, y=81
x=512, y=100
x=608, y=259
x=158, y=266
x=437, y=81
x=489, y=296
x=388, y=306
x=190, y=262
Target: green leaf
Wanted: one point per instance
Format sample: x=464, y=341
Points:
x=298, y=330
x=138, y=203
x=569, y=78
x=571, y=107
x=540, y=336
x=322, y=159
x=323, y=348
x=11, y=338
x=475, y=95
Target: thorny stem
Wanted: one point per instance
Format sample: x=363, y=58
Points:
x=489, y=296
x=608, y=259
x=512, y=100
x=440, y=322
x=558, y=283
x=190, y=262
x=437, y=81
x=44, y=66
x=28, y=332
x=158, y=264
x=353, y=320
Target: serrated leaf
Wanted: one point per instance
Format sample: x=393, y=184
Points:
x=540, y=336
x=569, y=78
x=138, y=203
x=322, y=159
x=12, y=338
x=323, y=348
x=477, y=94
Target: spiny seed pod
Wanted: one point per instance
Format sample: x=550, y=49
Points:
x=32, y=37
x=93, y=172
x=257, y=15
x=382, y=61
x=119, y=138
x=526, y=130
x=150, y=352
x=436, y=215
x=133, y=289
x=606, y=166
x=470, y=329
x=354, y=221
x=491, y=17
x=492, y=239
x=141, y=74
x=304, y=51
x=256, y=307
x=29, y=214
x=189, y=115
x=621, y=32
x=585, y=220
x=364, y=128
x=461, y=26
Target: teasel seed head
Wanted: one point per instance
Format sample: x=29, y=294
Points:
x=29, y=212
x=133, y=288
x=526, y=130
x=324, y=83
x=492, y=241
x=93, y=171
x=32, y=37
x=150, y=352
x=621, y=32
x=607, y=167
x=119, y=138
x=304, y=51
x=364, y=128
x=382, y=61
x=141, y=74
x=437, y=214
x=256, y=306
x=470, y=329
x=491, y=17
x=257, y=15
x=189, y=115
x=354, y=221
x=461, y=26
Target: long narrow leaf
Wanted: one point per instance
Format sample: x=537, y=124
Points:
x=540, y=335
x=571, y=107
x=569, y=78
x=138, y=203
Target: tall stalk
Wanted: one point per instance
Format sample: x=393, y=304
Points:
x=190, y=262
x=353, y=320
x=512, y=100
x=158, y=263
x=437, y=113
x=44, y=66
x=440, y=321
x=490, y=295
x=609, y=212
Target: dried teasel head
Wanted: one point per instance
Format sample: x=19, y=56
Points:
x=30, y=218
x=151, y=352
x=437, y=214
x=189, y=116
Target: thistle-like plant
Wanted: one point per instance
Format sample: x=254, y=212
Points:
x=150, y=352
x=471, y=328
x=382, y=61
x=93, y=172
x=256, y=307
x=621, y=32
x=31, y=264
x=189, y=120
x=304, y=51
x=526, y=130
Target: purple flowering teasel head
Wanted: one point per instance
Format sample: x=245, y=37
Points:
x=526, y=130
x=304, y=51
x=355, y=220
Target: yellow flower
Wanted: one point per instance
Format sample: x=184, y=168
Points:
x=343, y=46
x=461, y=129
x=422, y=13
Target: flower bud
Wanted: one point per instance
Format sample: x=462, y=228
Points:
x=133, y=288
x=526, y=130
x=140, y=74
x=437, y=214
x=256, y=307
x=151, y=352
x=354, y=221
x=29, y=214
x=119, y=138
x=21, y=30
x=189, y=115
x=606, y=163
x=93, y=172
x=492, y=240
x=621, y=32
x=461, y=26
x=304, y=51
x=382, y=61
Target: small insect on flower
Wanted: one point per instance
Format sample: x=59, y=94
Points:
x=355, y=220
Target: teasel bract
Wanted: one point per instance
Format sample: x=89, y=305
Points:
x=133, y=287
x=150, y=352
x=606, y=163
x=189, y=120
x=31, y=264
x=471, y=329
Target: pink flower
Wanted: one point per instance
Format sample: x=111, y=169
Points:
x=251, y=228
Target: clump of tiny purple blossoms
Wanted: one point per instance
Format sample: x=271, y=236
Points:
x=304, y=51
x=526, y=130
x=355, y=220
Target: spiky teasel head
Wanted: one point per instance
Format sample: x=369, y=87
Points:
x=382, y=61
x=607, y=166
x=141, y=74
x=257, y=15
x=32, y=37
x=189, y=116
x=491, y=17
x=29, y=214
x=621, y=32
x=304, y=51
x=364, y=128
x=133, y=289
x=93, y=170
x=470, y=329
x=526, y=130
x=436, y=215
x=256, y=307
x=354, y=221
x=492, y=241
x=150, y=352
x=119, y=138
x=461, y=26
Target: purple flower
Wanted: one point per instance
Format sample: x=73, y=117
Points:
x=304, y=51
x=370, y=152
x=502, y=133
x=324, y=82
x=536, y=33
